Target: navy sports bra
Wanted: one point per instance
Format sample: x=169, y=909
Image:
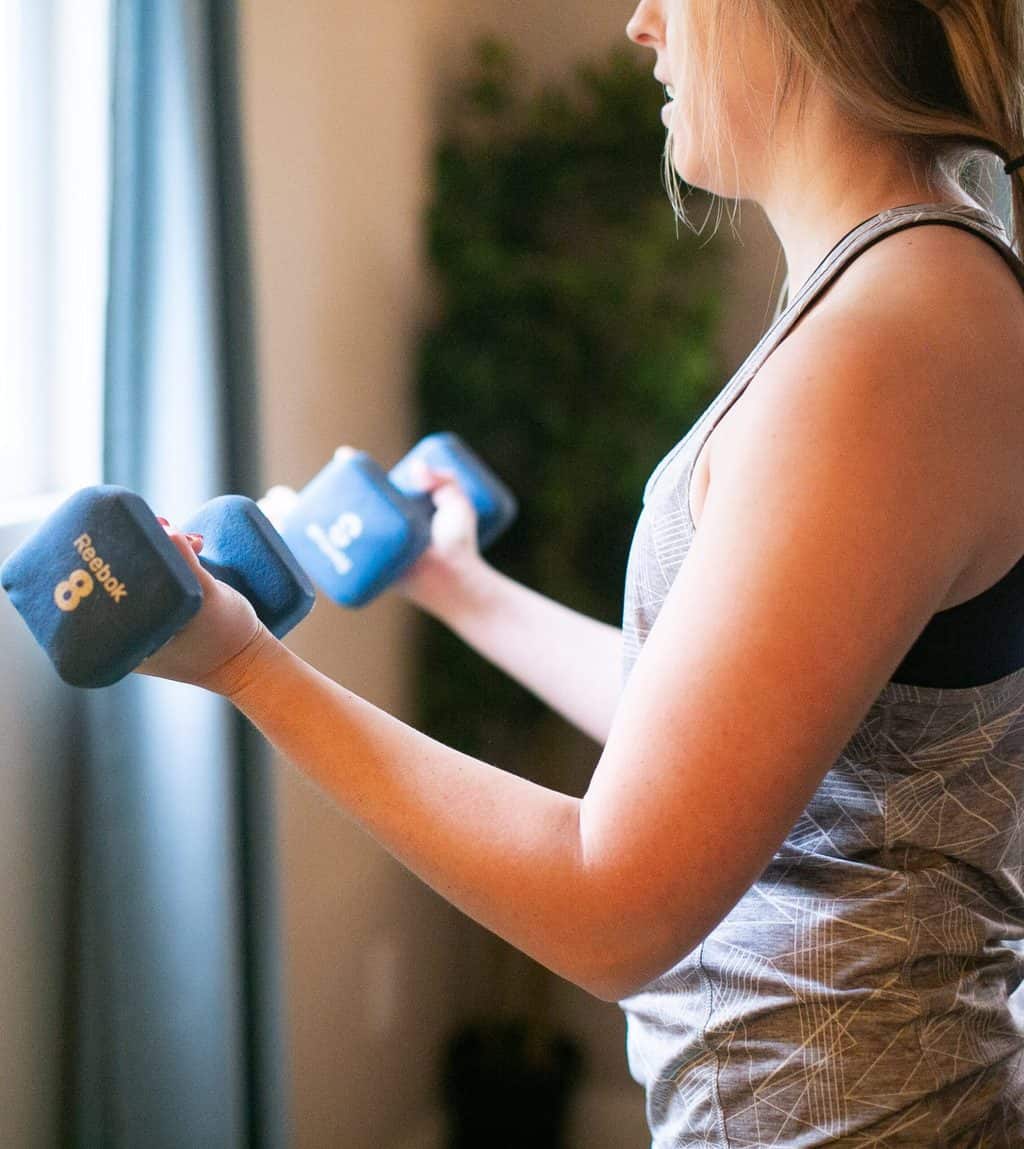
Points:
x=972, y=643
x=981, y=639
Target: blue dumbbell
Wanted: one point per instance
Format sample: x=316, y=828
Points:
x=102, y=587
x=356, y=529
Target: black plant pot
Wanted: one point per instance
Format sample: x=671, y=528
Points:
x=508, y=1085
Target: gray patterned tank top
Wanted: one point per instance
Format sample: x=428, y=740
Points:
x=862, y=992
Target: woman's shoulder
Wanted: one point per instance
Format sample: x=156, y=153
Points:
x=934, y=300
x=925, y=328
x=945, y=276
x=926, y=324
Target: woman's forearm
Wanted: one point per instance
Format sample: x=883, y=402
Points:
x=502, y=849
x=570, y=661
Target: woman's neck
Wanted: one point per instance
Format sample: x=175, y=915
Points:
x=832, y=182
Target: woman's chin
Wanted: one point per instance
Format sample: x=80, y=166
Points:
x=696, y=172
x=686, y=160
x=688, y=166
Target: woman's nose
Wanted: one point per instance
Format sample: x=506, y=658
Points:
x=645, y=25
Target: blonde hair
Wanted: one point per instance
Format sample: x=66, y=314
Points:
x=945, y=78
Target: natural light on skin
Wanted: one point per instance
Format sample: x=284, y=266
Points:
x=816, y=180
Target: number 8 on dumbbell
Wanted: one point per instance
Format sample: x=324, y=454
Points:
x=69, y=593
x=339, y=536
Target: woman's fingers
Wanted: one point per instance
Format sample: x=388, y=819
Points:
x=429, y=479
x=208, y=642
x=187, y=545
x=449, y=493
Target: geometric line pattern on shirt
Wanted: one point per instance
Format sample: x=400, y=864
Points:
x=864, y=991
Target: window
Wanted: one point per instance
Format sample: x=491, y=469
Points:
x=54, y=202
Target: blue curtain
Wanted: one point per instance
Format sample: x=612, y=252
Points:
x=174, y=1035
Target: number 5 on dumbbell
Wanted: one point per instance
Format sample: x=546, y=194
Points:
x=356, y=529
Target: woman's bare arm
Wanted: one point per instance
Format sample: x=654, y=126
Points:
x=570, y=661
x=501, y=848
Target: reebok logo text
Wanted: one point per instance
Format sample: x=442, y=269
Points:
x=101, y=571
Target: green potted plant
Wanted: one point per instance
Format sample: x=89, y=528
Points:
x=574, y=341
x=572, y=346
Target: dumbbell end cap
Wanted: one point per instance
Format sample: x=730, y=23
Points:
x=100, y=585
x=245, y=550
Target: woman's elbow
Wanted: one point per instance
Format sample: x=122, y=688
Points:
x=613, y=990
x=623, y=972
x=615, y=985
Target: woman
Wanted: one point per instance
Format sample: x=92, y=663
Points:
x=798, y=865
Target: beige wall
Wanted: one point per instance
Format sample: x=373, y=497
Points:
x=341, y=102
x=338, y=111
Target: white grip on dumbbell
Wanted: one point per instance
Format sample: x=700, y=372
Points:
x=277, y=503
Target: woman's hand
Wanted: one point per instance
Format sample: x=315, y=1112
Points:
x=453, y=551
x=213, y=649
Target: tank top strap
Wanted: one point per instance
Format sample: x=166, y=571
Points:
x=861, y=237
